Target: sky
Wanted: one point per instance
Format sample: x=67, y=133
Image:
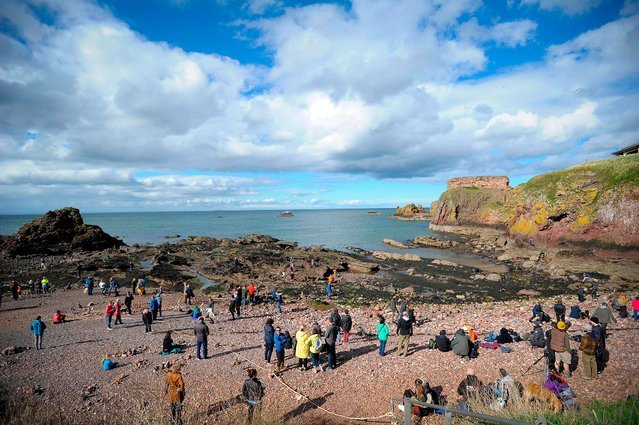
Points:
x=159, y=105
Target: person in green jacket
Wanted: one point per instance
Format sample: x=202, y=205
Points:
x=382, y=335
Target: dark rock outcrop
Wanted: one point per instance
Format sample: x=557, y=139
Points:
x=58, y=232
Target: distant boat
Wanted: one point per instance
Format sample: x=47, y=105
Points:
x=287, y=214
x=373, y=213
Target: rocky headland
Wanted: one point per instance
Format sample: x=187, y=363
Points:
x=411, y=212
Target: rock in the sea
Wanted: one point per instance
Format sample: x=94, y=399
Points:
x=58, y=232
x=394, y=243
x=445, y=263
x=173, y=236
x=382, y=255
x=432, y=242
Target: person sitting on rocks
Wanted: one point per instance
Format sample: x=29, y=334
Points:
x=504, y=337
x=470, y=387
x=442, y=342
x=168, y=346
x=461, y=344
x=472, y=335
x=537, y=312
x=502, y=388
x=58, y=317
x=418, y=394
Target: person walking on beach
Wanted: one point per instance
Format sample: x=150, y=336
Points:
x=174, y=389
x=253, y=393
x=118, y=311
x=153, y=305
x=147, y=318
x=278, y=301
x=588, y=348
x=347, y=325
x=209, y=310
x=302, y=348
x=128, y=302
x=37, y=328
x=279, y=341
x=201, y=332
x=405, y=331
x=331, y=340
x=269, y=340
x=109, y=311
x=382, y=335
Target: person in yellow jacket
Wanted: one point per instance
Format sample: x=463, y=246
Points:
x=45, y=284
x=315, y=348
x=302, y=348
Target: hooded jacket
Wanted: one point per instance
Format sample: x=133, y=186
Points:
x=442, y=342
x=504, y=337
x=347, y=323
x=174, y=387
x=460, y=343
x=537, y=339
x=302, y=348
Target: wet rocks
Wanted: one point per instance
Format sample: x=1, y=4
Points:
x=493, y=277
x=395, y=244
x=432, y=242
x=57, y=232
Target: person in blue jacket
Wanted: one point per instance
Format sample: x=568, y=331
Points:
x=279, y=340
x=37, y=328
x=154, y=305
x=269, y=336
x=537, y=313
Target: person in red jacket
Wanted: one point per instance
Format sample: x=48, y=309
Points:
x=58, y=317
x=110, y=310
x=118, y=311
x=635, y=308
x=251, y=292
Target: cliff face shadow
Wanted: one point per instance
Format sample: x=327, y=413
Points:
x=309, y=405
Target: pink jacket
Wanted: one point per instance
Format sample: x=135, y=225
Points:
x=635, y=304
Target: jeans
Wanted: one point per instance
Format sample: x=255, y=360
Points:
x=280, y=357
x=202, y=346
x=108, y=321
x=118, y=319
x=128, y=309
x=176, y=413
x=147, y=327
x=315, y=359
x=278, y=306
x=382, y=347
x=253, y=409
x=635, y=314
x=302, y=362
x=38, y=341
x=332, y=357
x=268, y=351
x=90, y=290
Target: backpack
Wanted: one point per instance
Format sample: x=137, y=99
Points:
x=108, y=364
x=545, y=317
x=492, y=336
x=289, y=341
x=317, y=344
x=431, y=344
x=474, y=350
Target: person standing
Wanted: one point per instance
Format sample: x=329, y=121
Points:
x=118, y=312
x=635, y=308
x=238, y=301
x=232, y=305
x=37, y=328
x=128, y=302
x=253, y=393
x=560, y=345
x=382, y=335
x=209, y=310
x=329, y=287
x=302, y=351
x=153, y=305
x=88, y=286
x=393, y=307
x=109, y=311
x=279, y=341
x=278, y=301
x=269, y=340
x=147, y=318
x=251, y=292
x=188, y=293
x=201, y=332
x=158, y=296
x=604, y=314
x=331, y=339
x=315, y=345
x=588, y=348
x=347, y=325
x=174, y=388
x=405, y=331
x=45, y=285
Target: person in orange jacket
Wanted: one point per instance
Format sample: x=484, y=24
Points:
x=58, y=317
x=174, y=389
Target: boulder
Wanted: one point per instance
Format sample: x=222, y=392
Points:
x=528, y=264
x=432, y=242
x=493, y=277
x=394, y=243
x=381, y=255
x=528, y=293
x=505, y=257
x=59, y=232
x=409, y=290
x=445, y=263
x=255, y=238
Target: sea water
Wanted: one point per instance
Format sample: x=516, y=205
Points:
x=337, y=229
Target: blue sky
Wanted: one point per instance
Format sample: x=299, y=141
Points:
x=115, y=105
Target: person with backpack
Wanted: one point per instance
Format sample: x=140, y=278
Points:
x=442, y=343
x=174, y=389
x=279, y=342
x=109, y=312
x=253, y=393
x=347, y=325
x=302, y=348
x=269, y=340
x=382, y=335
x=560, y=345
x=470, y=387
x=128, y=302
x=404, y=332
x=588, y=348
x=147, y=319
x=315, y=349
x=331, y=340
x=37, y=329
x=201, y=332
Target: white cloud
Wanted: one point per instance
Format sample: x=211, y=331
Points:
x=259, y=7
x=569, y=7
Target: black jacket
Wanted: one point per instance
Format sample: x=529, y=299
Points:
x=201, y=332
x=331, y=334
x=560, y=309
x=538, y=339
x=404, y=327
x=347, y=323
x=336, y=319
x=253, y=390
x=443, y=343
x=470, y=387
x=147, y=318
x=504, y=337
x=167, y=344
